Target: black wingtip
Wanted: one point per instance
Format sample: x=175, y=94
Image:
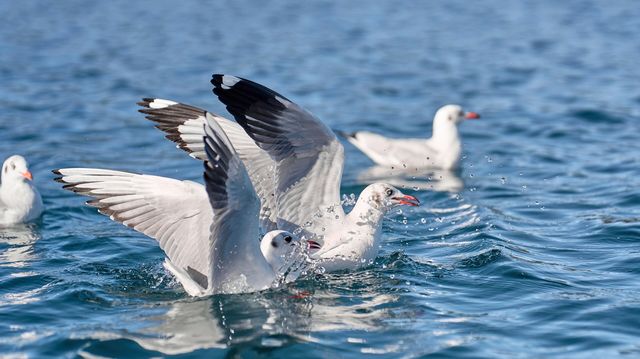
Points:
x=216, y=79
x=344, y=134
x=145, y=102
x=58, y=179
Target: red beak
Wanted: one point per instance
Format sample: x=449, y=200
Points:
x=28, y=176
x=313, y=244
x=471, y=116
x=408, y=200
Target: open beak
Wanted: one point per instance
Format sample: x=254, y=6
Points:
x=407, y=200
x=28, y=175
x=471, y=116
x=313, y=244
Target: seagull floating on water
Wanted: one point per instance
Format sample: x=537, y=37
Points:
x=209, y=233
x=442, y=150
x=19, y=199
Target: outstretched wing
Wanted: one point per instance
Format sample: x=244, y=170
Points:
x=175, y=213
x=184, y=125
x=309, y=158
x=238, y=263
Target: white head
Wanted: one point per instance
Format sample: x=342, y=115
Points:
x=16, y=169
x=384, y=197
x=278, y=247
x=453, y=115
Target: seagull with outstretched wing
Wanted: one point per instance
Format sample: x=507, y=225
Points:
x=209, y=233
x=308, y=161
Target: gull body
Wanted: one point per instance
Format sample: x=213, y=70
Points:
x=20, y=201
x=294, y=163
x=210, y=234
x=442, y=150
x=307, y=166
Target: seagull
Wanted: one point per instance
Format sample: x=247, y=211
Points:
x=308, y=162
x=209, y=233
x=20, y=201
x=442, y=150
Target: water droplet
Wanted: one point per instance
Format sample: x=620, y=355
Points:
x=392, y=276
x=423, y=220
x=503, y=180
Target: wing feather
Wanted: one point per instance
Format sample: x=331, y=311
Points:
x=184, y=125
x=309, y=158
x=175, y=213
x=238, y=263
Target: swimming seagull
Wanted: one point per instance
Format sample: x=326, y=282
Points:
x=442, y=150
x=209, y=233
x=308, y=161
x=20, y=201
x=182, y=124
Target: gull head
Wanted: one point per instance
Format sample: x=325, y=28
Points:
x=384, y=196
x=278, y=248
x=16, y=168
x=453, y=114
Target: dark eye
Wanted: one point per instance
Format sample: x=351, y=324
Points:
x=13, y=166
x=288, y=239
x=389, y=191
x=461, y=114
x=274, y=244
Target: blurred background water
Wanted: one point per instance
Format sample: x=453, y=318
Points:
x=531, y=250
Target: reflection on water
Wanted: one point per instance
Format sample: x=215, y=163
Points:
x=185, y=327
x=17, y=245
x=221, y=321
x=417, y=179
x=16, y=254
x=274, y=319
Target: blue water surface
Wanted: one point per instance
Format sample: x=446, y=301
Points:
x=532, y=250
